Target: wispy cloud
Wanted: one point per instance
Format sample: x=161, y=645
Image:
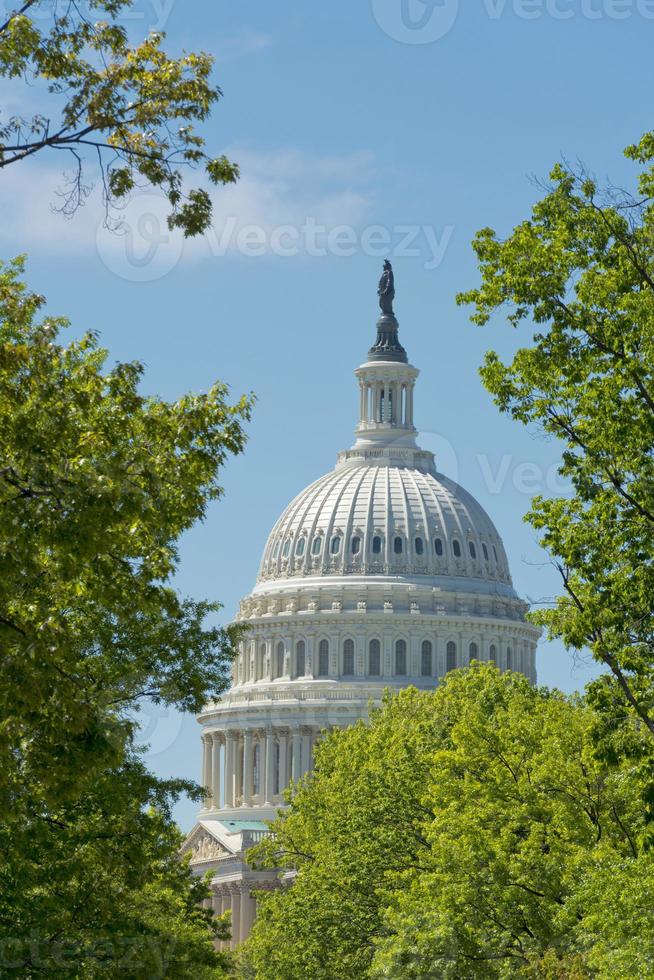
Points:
x=278, y=189
x=243, y=43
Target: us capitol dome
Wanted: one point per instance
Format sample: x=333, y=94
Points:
x=381, y=574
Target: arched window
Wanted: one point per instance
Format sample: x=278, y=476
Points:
x=450, y=656
x=348, y=658
x=400, y=658
x=397, y=546
x=336, y=545
x=299, y=547
x=316, y=545
x=374, y=658
x=376, y=545
x=485, y=551
x=323, y=659
x=279, y=666
x=492, y=653
x=456, y=548
x=426, y=665
x=438, y=546
x=287, y=548
x=356, y=544
x=473, y=652
x=495, y=553
x=509, y=658
x=276, y=549
x=472, y=550
x=420, y=548
x=256, y=769
x=300, y=658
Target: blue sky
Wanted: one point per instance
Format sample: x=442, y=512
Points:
x=358, y=126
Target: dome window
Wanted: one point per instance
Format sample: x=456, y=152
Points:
x=336, y=545
x=300, y=658
x=356, y=545
x=509, y=659
x=473, y=652
x=400, y=658
x=376, y=545
x=450, y=656
x=397, y=546
x=485, y=551
x=316, y=545
x=426, y=665
x=495, y=554
x=348, y=658
x=323, y=658
x=492, y=655
x=287, y=548
x=472, y=550
x=299, y=547
x=280, y=660
x=276, y=549
x=374, y=658
x=456, y=548
x=438, y=546
x=420, y=548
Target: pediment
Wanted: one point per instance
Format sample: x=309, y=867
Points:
x=203, y=846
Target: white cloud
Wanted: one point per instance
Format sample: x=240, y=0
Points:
x=279, y=189
x=243, y=43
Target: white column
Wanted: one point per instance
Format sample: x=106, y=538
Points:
x=236, y=916
x=306, y=750
x=206, y=768
x=247, y=768
x=218, y=911
x=295, y=762
x=238, y=771
x=215, y=781
x=283, y=756
x=270, y=766
x=247, y=912
x=227, y=907
x=229, y=769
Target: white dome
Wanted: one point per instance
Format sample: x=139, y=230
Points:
x=372, y=519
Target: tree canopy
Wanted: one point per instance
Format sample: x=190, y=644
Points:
x=133, y=108
x=580, y=271
x=468, y=832
x=97, y=484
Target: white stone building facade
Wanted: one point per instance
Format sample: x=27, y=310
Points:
x=381, y=574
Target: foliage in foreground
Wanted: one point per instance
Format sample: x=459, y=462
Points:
x=132, y=108
x=470, y=832
x=97, y=483
x=581, y=269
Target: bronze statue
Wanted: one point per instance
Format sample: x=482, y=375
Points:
x=386, y=290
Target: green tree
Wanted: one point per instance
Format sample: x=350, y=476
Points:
x=464, y=833
x=97, y=483
x=581, y=269
x=132, y=107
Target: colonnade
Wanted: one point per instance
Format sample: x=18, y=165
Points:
x=387, y=401
x=234, y=897
x=253, y=767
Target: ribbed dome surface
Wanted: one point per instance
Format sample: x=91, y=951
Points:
x=384, y=520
